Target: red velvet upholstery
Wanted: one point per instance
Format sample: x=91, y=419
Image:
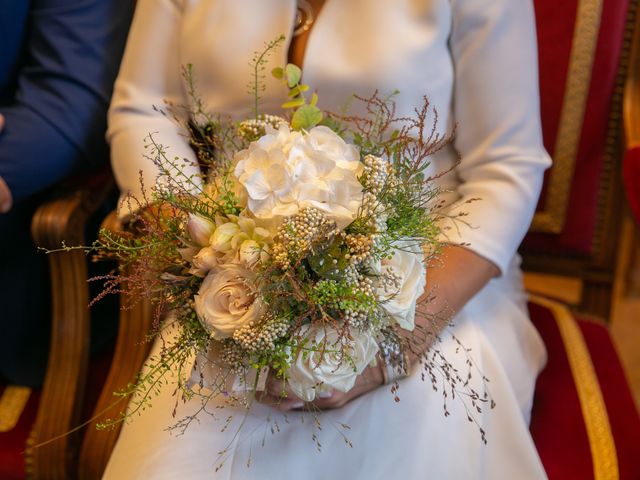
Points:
x=557, y=424
x=555, y=25
x=13, y=442
x=631, y=177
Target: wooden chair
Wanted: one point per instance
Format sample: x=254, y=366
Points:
x=585, y=81
x=130, y=353
x=584, y=421
x=56, y=408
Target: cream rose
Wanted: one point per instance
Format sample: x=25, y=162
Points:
x=285, y=171
x=402, y=282
x=226, y=301
x=323, y=370
x=203, y=261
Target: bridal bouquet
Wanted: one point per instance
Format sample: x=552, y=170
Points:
x=298, y=252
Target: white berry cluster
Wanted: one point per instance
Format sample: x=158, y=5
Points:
x=389, y=283
x=255, y=128
x=357, y=318
x=376, y=174
x=374, y=211
x=297, y=234
x=233, y=356
x=359, y=247
x=262, y=337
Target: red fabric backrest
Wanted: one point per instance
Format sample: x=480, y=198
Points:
x=556, y=25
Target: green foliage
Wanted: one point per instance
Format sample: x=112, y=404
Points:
x=293, y=74
x=375, y=140
x=341, y=295
x=306, y=117
x=329, y=260
x=258, y=62
x=306, y=113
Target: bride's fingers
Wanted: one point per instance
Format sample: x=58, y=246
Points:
x=268, y=399
x=285, y=404
x=329, y=400
x=278, y=395
x=338, y=399
x=276, y=387
x=279, y=388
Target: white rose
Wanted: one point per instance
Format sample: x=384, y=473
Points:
x=330, y=368
x=402, y=282
x=285, y=171
x=225, y=301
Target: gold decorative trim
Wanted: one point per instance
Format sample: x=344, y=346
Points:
x=12, y=404
x=583, y=48
x=594, y=411
x=632, y=83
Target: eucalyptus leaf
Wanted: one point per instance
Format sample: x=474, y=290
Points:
x=306, y=117
x=294, y=74
x=297, y=90
x=298, y=102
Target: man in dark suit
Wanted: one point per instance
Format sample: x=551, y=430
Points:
x=58, y=62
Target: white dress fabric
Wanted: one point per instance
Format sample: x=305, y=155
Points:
x=475, y=60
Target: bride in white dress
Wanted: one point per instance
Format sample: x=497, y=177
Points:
x=476, y=62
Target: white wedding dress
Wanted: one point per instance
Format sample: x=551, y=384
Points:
x=476, y=62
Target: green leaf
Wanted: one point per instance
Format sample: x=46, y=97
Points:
x=306, y=117
x=314, y=99
x=298, y=102
x=332, y=124
x=294, y=74
x=298, y=90
x=278, y=73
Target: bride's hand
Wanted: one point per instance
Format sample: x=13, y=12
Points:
x=470, y=271
x=279, y=396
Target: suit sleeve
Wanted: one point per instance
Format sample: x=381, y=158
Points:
x=56, y=125
x=496, y=106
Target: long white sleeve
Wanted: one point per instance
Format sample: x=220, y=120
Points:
x=150, y=73
x=492, y=48
x=496, y=108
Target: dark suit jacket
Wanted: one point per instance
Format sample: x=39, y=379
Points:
x=58, y=62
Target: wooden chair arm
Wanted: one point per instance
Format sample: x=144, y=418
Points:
x=63, y=219
x=130, y=353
